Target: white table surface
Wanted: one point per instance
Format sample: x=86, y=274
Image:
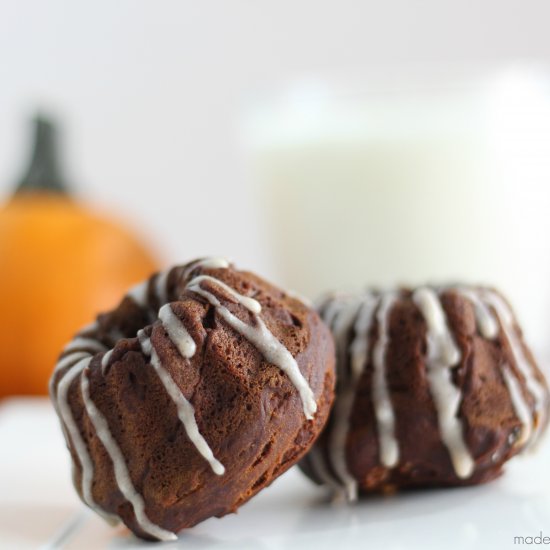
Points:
x=37, y=503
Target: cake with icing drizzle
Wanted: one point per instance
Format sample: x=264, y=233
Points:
x=198, y=390
x=435, y=387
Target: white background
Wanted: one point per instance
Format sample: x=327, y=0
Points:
x=152, y=94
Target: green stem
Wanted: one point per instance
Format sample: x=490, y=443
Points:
x=43, y=173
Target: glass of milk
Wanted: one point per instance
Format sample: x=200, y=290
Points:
x=428, y=180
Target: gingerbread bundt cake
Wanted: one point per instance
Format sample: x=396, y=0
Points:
x=197, y=391
x=435, y=387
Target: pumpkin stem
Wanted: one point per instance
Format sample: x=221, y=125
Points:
x=43, y=173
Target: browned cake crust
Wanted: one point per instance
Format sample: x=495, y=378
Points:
x=502, y=397
x=246, y=408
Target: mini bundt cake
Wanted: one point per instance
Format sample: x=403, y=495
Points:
x=198, y=390
x=435, y=387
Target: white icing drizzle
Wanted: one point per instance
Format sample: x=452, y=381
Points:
x=206, y=263
x=249, y=303
x=385, y=417
x=359, y=315
x=64, y=362
x=534, y=387
x=341, y=326
x=333, y=308
x=91, y=345
x=360, y=346
x=69, y=360
x=105, y=360
x=260, y=336
x=77, y=361
x=186, y=412
x=160, y=284
x=72, y=429
x=330, y=307
x=90, y=327
x=138, y=293
x=122, y=475
x=488, y=325
x=443, y=355
x=177, y=332
x=521, y=408
x=210, y=263
x=486, y=321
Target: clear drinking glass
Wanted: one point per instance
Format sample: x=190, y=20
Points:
x=412, y=180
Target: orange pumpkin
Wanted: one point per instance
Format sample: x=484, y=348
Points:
x=60, y=264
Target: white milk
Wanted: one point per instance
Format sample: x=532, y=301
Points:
x=406, y=187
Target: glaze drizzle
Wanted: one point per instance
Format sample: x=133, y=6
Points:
x=499, y=313
x=259, y=335
x=383, y=409
x=341, y=326
x=361, y=321
x=177, y=332
x=443, y=355
x=122, y=475
x=186, y=412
